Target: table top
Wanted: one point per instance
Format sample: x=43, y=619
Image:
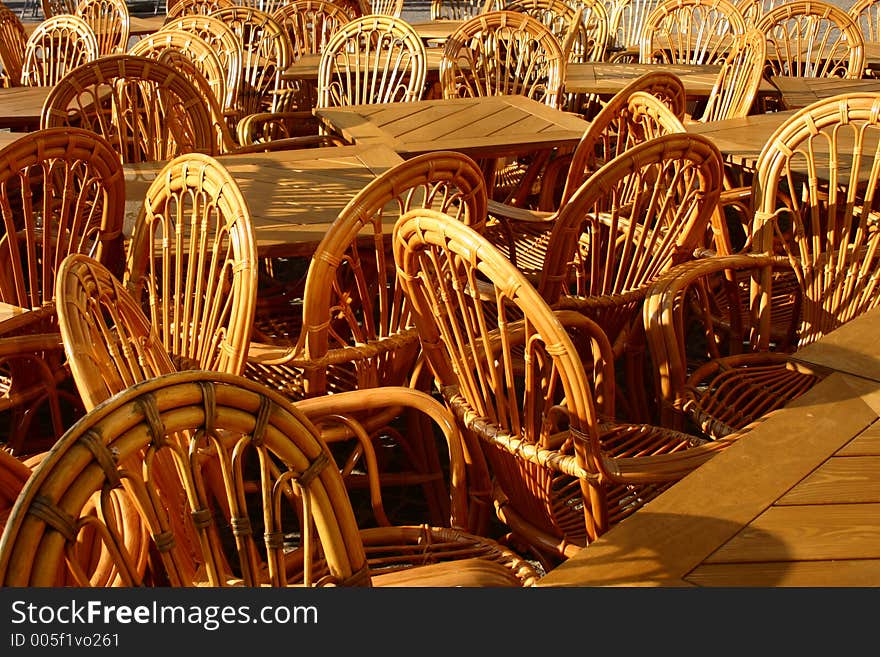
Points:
x=488, y=126
x=741, y=140
x=21, y=107
x=293, y=196
x=794, y=502
x=799, y=92
x=607, y=78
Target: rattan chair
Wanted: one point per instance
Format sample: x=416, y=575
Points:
x=13, y=40
x=585, y=28
x=690, y=31
x=739, y=79
x=192, y=263
x=810, y=268
x=753, y=10
x=382, y=7
x=626, y=21
x=195, y=8
x=630, y=117
x=266, y=54
x=57, y=7
x=372, y=59
x=56, y=47
x=110, y=21
x=534, y=388
x=301, y=529
x=165, y=114
x=456, y=10
x=866, y=13
x=812, y=38
x=226, y=46
x=63, y=192
x=354, y=330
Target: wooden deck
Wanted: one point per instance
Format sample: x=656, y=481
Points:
x=796, y=502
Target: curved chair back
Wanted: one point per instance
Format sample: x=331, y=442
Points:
x=13, y=41
x=165, y=113
x=56, y=47
x=110, y=21
x=690, y=31
x=739, y=79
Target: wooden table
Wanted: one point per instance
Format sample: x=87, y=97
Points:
x=436, y=32
x=741, y=140
x=795, y=502
x=293, y=196
x=485, y=127
x=21, y=107
x=607, y=78
x=800, y=92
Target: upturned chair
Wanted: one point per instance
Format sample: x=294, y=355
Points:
x=147, y=109
x=372, y=59
x=354, y=330
x=110, y=21
x=13, y=41
x=532, y=390
x=56, y=47
x=690, y=31
x=810, y=267
x=63, y=192
x=301, y=529
x=812, y=38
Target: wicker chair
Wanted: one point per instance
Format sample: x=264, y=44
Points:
x=13, y=41
x=57, y=7
x=811, y=267
x=64, y=192
x=56, y=47
x=631, y=117
x=372, y=59
x=690, y=31
x=226, y=46
x=626, y=21
x=300, y=493
x=382, y=7
x=13, y=475
x=354, y=330
x=811, y=38
x=195, y=8
x=739, y=79
x=505, y=52
x=172, y=118
x=753, y=10
x=192, y=264
x=456, y=10
x=266, y=53
x=585, y=26
x=866, y=13
x=110, y=21
x=537, y=400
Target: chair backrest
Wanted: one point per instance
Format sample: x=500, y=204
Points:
x=641, y=213
x=372, y=59
x=265, y=55
x=505, y=365
x=165, y=113
x=824, y=225
x=739, y=79
x=195, y=49
x=167, y=416
x=57, y=46
x=690, y=31
x=57, y=7
x=812, y=38
x=384, y=7
x=226, y=46
x=455, y=10
x=195, y=8
x=626, y=21
x=13, y=40
x=583, y=28
x=866, y=13
x=753, y=10
x=110, y=21
x=63, y=192
x=192, y=264
x=503, y=52
x=352, y=296
x=310, y=24
x=632, y=116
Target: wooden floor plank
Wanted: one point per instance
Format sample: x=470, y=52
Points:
x=840, y=480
